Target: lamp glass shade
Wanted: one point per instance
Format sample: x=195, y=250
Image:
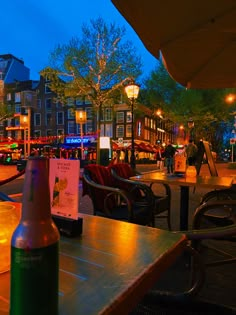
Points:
x=132, y=91
x=80, y=116
x=23, y=120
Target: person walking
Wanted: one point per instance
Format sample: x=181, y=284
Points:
x=169, y=156
x=191, y=152
x=160, y=158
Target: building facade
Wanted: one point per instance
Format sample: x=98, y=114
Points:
x=54, y=123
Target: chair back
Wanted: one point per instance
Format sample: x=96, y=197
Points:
x=102, y=176
x=123, y=170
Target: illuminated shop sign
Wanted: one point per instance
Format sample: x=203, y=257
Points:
x=78, y=140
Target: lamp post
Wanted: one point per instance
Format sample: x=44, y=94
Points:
x=191, y=129
x=232, y=141
x=132, y=91
x=81, y=118
x=230, y=99
x=24, y=124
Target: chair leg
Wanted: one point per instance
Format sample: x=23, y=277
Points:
x=169, y=221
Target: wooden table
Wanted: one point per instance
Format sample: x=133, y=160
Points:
x=211, y=182
x=109, y=268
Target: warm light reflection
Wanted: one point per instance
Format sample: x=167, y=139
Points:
x=8, y=222
x=230, y=98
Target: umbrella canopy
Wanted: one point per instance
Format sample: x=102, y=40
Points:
x=196, y=39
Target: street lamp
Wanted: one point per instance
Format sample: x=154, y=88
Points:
x=81, y=118
x=132, y=91
x=191, y=129
x=25, y=124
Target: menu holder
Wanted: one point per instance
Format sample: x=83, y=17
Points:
x=64, y=195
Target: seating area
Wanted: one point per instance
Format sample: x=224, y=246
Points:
x=116, y=177
x=139, y=195
x=162, y=200
x=114, y=196
x=110, y=201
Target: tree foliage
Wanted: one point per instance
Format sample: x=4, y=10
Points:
x=207, y=108
x=95, y=65
x=5, y=111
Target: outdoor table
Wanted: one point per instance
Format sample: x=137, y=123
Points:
x=185, y=182
x=109, y=268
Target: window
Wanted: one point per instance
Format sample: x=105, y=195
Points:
x=89, y=113
x=128, y=117
x=108, y=130
x=128, y=131
x=47, y=78
x=38, y=103
x=17, y=97
x=47, y=88
x=120, y=117
x=70, y=102
x=119, y=131
x=37, y=133
x=60, y=132
x=89, y=126
x=37, y=119
x=58, y=105
x=48, y=118
x=48, y=104
x=71, y=127
x=8, y=96
x=17, y=121
x=79, y=100
x=49, y=132
x=17, y=109
x=8, y=122
x=71, y=113
x=139, y=128
x=60, y=118
x=78, y=131
x=87, y=101
x=107, y=114
x=146, y=134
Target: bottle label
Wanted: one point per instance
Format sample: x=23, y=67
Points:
x=34, y=281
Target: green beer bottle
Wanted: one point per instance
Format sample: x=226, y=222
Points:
x=35, y=247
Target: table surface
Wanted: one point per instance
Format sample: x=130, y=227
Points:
x=109, y=267
x=213, y=182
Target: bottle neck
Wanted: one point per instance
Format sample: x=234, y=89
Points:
x=36, y=193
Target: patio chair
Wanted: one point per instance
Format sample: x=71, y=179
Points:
x=113, y=202
x=155, y=304
x=162, y=300
x=162, y=200
x=219, y=217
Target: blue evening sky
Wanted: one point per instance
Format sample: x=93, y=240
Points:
x=31, y=29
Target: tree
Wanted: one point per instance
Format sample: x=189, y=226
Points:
x=6, y=111
x=96, y=66
x=207, y=108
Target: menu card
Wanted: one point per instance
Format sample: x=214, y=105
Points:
x=64, y=187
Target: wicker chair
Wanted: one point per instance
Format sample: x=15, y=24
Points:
x=113, y=202
x=162, y=201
